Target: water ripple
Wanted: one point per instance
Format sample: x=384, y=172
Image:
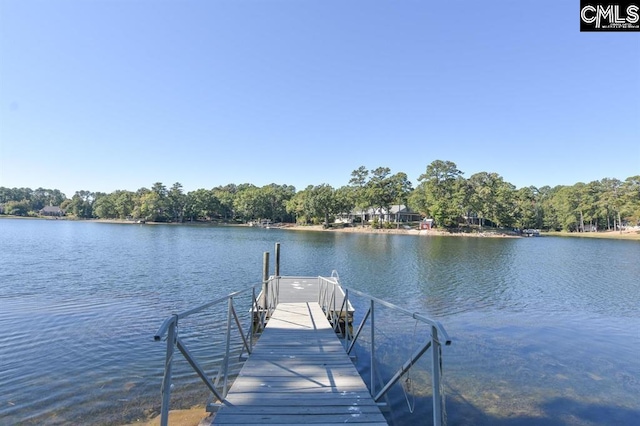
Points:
x=79, y=303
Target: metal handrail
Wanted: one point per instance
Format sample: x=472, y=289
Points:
x=329, y=291
x=414, y=315
x=327, y=297
x=261, y=310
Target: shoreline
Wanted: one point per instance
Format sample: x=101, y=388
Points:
x=631, y=235
x=628, y=235
x=400, y=231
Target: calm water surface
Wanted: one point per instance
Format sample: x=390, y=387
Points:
x=545, y=330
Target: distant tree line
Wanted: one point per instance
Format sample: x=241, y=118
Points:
x=441, y=193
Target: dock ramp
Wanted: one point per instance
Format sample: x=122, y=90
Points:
x=298, y=335
x=299, y=373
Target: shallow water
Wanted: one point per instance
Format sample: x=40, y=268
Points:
x=545, y=330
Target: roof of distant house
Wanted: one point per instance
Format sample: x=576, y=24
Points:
x=51, y=209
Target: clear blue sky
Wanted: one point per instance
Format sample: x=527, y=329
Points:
x=106, y=95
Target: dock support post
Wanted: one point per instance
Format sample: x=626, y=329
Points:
x=265, y=280
x=277, y=260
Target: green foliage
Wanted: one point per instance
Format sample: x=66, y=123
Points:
x=225, y=196
x=16, y=208
x=630, y=199
x=276, y=198
x=28, y=202
x=176, y=203
x=318, y=204
x=201, y=203
x=442, y=193
x=249, y=203
x=81, y=205
x=268, y=202
x=104, y=207
x=528, y=210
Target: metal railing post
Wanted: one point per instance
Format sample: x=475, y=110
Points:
x=228, y=348
x=320, y=292
x=436, y=371
x=265, y=279
x=168, y=364
x=346, y=316
x=373, y=351
x=254, y=319
x=337, y=320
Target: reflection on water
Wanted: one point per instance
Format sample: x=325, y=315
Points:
x=545, y=330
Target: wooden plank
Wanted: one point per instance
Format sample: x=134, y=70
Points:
x=299, y=373
x=302, y=289
x=298, y=290
x=347, y=409
x=304, y=372
x=296, y=418
x=288, y=398
x=281, y=380
x=287, y=387
x=262, y=369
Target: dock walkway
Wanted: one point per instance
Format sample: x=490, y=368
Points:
x=299, y=373
x=297, y=289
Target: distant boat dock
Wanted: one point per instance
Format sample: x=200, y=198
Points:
x=299, y=371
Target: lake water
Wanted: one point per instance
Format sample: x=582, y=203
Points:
x=545, y=330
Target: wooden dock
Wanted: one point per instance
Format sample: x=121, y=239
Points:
x=299, y=373
x=297, y=289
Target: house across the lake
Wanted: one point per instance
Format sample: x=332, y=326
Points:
x=51, y=211
x=397, y=213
